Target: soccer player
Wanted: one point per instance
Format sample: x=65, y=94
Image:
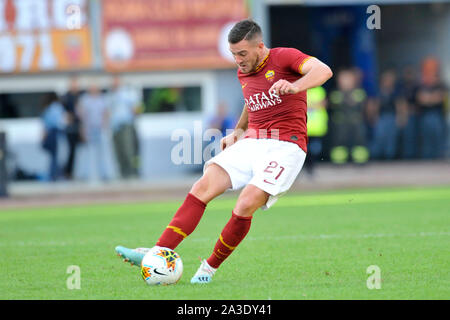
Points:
x=263, y=155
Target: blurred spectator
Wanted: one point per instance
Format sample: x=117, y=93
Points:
x=223, y=120
x=430, y=97
x=53, y=118
x=408, y=133
x=317, y=125
x=93, y=113
x=390, y=114
x=70, y=100
x=347, y=108
x=124, y=105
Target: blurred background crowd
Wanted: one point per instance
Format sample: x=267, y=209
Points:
x=406, y=120
x=90, y=118
x=93, y=90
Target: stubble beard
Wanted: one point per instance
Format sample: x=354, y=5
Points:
x=255, y=64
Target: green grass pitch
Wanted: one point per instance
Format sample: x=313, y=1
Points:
x=308, y=246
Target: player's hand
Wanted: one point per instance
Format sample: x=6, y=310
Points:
x=228, y=140
x=283, y=87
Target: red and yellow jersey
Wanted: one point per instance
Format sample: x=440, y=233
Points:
x=284, y=116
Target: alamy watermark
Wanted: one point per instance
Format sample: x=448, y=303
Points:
x=74, y=280
x=197, y=146
x=73, y=14
x=374, y=20
x=374, y=280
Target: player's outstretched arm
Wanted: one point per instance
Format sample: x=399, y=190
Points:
x=315, y=73
x=239, y=130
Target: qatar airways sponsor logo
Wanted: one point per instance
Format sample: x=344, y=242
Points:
x=262, y=100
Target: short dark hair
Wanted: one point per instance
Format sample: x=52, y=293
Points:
x=244, y=30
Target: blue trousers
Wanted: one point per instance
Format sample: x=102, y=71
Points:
x=384, y=145
x=432, y=134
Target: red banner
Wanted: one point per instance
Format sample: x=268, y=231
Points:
x=168, y=34
x=44, y=35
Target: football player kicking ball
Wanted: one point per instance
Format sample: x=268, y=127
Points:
x=263, y=155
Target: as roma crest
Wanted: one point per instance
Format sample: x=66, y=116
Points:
x=270, y=74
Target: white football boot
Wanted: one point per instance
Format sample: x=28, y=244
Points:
x=204, y=274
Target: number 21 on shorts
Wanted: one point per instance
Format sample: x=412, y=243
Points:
x=274, y=169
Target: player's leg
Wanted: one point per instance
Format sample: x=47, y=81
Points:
x=214, y=182
x=250, y=199
x=274, y=171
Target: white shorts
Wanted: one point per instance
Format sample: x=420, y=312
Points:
x=269, y=164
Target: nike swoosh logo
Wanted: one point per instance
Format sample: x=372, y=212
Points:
x=161, y=274
x=268, y=182
x=244, y=85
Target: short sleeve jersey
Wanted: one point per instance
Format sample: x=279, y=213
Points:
x=270, y=115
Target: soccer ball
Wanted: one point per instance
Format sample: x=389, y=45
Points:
x=161, y=266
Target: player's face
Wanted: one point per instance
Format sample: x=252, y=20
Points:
x=247, y=54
